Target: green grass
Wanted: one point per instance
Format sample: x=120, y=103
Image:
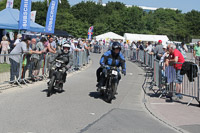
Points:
x=4, y=68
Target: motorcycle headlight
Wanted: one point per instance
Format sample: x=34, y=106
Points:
x=58, y=64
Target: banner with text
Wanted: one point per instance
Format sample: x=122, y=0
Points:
x=90, y=32
x=9, y=4
x=51, y=16
x=25, y=14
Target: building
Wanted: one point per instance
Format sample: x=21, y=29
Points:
x=147, y=9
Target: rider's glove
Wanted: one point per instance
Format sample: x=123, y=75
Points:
x=107, y=67
x=124, y=72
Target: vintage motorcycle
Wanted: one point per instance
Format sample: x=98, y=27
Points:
x=111, y=84
x=56, y=77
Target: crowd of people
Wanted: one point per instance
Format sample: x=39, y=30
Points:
x=173, y=61
x=35, y=49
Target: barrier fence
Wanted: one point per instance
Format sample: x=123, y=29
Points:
x=26, y=69
x=165, y=79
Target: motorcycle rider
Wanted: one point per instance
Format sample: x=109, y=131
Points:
x=66, y=56
x=110, y=58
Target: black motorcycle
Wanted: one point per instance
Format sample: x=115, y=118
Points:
x=111, y=84
x=56, y=77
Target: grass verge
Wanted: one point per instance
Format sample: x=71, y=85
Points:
x=4, y=68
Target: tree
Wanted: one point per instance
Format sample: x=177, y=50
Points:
x=86, y=12
x=41, y=8
x=193, y=22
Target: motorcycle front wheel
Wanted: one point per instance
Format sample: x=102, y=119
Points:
x=50, y=86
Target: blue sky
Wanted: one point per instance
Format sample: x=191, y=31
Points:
x=183, y=5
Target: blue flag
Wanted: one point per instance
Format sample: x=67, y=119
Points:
x=51, y=16
x=25, y=14
x=90, y=32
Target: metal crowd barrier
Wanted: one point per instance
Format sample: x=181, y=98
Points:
x=165, y=79
x=80, y=58
x=189, y=86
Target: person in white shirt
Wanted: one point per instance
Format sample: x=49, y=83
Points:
x=18, y=40
x=149, y=48
x=74, y=46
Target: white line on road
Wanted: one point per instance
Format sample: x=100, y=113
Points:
x=161, y=103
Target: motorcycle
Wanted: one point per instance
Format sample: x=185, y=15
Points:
x=111, y=84
x=56, y=77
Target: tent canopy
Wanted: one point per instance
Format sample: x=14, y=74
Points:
x=10, y=20
x=145, y=37
x=62, y=33
x=109, y=35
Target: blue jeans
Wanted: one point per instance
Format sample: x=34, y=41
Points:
x=179, y=77
x=14, y=69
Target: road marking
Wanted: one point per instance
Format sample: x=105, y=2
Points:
x=162, y=103
x=92, y=113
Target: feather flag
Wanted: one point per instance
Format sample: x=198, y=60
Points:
x=90, y=32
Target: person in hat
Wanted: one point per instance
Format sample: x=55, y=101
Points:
x=75, y=46
x=18, y=40
x=158, y=51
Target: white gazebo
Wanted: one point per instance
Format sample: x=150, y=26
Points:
x=109, y=35
x=145, y=37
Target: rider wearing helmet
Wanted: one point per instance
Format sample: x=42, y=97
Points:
x=66, y=56
x=110, y=58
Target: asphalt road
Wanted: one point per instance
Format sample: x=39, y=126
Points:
x=79, y=108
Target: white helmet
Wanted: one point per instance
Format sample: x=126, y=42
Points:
x=66, y=45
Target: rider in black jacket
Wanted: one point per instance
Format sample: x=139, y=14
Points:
x=66, y=56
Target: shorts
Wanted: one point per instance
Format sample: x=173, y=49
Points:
x=36, y=64
x=179, y=77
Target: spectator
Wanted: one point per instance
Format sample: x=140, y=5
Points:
x=197, y=53
x=125, y=50
x=22, y=47
x=163, y=58
x=121, y=43
x=176, y=57
x=183, y=49
x=134, y=47
x=52, y=43
x=158, y=51
x=36, y=59
x=4, y=49
x=149, y=48
x=139, y=46
x=18, y=40
x=28, y=59
x=74, y=46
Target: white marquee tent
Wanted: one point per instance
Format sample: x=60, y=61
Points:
x=145, y=37
x=109, y=35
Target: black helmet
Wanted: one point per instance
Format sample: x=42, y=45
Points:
x=116, y=45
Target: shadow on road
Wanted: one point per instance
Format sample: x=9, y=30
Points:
x=54, y=91
x=96, y=95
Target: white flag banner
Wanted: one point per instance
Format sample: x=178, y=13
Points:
x=47, y=3
x=9, y=4
x=33, y=14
